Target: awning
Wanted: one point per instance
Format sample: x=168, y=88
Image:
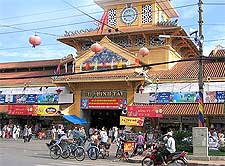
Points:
x=74, y=119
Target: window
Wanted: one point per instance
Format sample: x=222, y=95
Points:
x=146, y=13
x=112, y=17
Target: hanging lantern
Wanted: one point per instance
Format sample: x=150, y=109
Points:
x=35, y=40
x=141, y=89
x=137, y=62
x=143, y=51
x=96, y=47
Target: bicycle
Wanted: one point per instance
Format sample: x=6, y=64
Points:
x=92, y=151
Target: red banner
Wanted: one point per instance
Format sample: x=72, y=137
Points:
x=153, y=111
x=21, y=109
x=104, y=103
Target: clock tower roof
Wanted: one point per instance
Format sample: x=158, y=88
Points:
x=164, y=4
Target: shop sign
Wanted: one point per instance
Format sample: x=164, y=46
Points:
x=214, y=97
x=190, y=119
x=131, y=121
x=2, y=99
x=217, y=119
x=3, y=108
x=170, y=119
x=184, y=97
x=104, y=94
x=145, y=111
x=21, y=109
x=48, y=98
x=103, y=103
x=164, y=97
x=129, y=146
x=48, y=110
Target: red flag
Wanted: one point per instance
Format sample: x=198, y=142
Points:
x=103, y=22
x=58, y=69
x=87, y=66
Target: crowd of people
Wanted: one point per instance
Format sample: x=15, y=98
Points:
x=15, y=132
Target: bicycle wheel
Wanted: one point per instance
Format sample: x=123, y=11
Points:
x=93, y=153
x=65, y=152
x=147, y=162
x=55, y=152
x=79, y=153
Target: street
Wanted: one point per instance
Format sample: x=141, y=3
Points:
x=36, y=153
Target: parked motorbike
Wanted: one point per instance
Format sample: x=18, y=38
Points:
x=152, y=159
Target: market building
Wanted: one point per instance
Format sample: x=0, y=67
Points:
x=123, y=75
x=109, y=76
x=28, y=96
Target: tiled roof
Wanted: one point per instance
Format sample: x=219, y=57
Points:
x=11, y=79
x=29, y=64
x=189, y=70
x=191, y=109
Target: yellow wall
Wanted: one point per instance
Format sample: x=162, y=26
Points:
x=129, y=86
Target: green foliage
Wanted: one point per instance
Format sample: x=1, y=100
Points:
x=182, y=145
x=222, y=149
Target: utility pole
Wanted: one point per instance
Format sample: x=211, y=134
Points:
x=201, y=68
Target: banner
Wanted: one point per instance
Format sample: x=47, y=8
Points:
x=131, y=121
x=153, y=111
x=164, y=97
x=103, y=103
x=48, y=110
x=21, y=109
x=48, y=98
x=184, y=97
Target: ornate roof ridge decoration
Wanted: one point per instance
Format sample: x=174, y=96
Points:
x=168, y=23
x=105, y=42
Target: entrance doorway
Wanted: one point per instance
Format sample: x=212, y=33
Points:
x=104, y=118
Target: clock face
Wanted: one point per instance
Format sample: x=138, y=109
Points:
x=129, y=15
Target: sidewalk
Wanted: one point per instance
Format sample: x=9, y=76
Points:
x=215, y=161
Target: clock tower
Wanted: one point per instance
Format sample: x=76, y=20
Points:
x=123, y=14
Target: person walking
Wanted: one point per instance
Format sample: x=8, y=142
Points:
x=17, y=132
x=29, y=133
x=14, y=132
x=25, y=134
x=54, y=133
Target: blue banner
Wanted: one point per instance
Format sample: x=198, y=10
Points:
x=220, y=96
x=48, y=98
x=32, y=99
x=184, y=97
x=2, y=99
x=164, y=97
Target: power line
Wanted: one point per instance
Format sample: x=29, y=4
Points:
x=21, y=30
x=212, y=59
x=53, y=11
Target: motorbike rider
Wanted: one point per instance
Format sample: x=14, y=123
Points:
x=79, y=136
x=139, y=142
x=170, y=147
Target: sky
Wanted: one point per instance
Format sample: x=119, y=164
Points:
x=49, y=19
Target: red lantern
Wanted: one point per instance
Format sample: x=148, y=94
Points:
x=35, y=40
x=137, y=62
x=96, y=47
x=143, y=51
x=141, y=89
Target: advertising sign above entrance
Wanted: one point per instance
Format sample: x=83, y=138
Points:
x=103, y=99
x=21, y=109
x=131, y=121
x=153, y=111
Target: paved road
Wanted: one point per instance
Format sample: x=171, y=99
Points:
x=36, y=153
